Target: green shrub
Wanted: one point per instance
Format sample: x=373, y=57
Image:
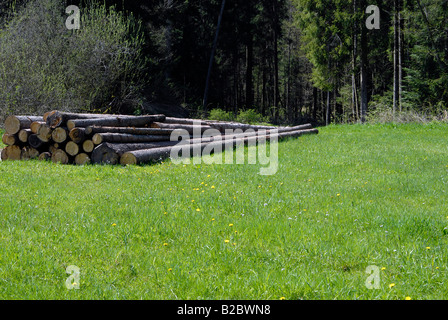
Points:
x=221, y=115
x=250, y=116
x=45, y=66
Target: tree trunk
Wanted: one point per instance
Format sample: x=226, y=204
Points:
x=191, y=129
x=13, y=124
x=148, y=155
x=364, y=99
x=99, y=138
x=56, y=118
x=116, y=121
x=129, y=130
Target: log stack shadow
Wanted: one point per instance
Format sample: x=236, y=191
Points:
x=83, y=138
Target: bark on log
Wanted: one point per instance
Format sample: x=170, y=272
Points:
x=191, y=129
x=24, y=134
x=59, y=156
x=72, y=148
x=173, y=120
x=59, y=135
x=145, y=156
x=128, y=130
x=77, y=135
x=82, y=159
x=116, y=121
x=34, y=141
x=88, y=146
x=222, y=126
x=13, y=124
x=45, y=156
x=110, y=153
x=57, y=118
x=11, y=153
x=9, y=139
x=99, y=138
x=29, y=153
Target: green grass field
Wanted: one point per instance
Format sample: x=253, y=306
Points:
x=348, y=198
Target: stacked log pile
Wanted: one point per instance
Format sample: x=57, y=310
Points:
x=79, y=138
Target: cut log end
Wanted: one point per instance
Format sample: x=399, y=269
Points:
x=45, y=156
x=12, y=125
x=128, y=159
x=29, y=153
x=77, y=135
x=12, y=153
x=9, y=139
x=72, y=148
x=59, y=135
x=88, y=146
x=59, y=156
x=82, y=159
x=24, y=135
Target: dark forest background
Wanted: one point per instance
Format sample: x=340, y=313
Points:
x=281, y=61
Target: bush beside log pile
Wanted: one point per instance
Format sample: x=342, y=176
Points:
x=79, y=138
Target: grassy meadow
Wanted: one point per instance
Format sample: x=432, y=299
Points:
x=351, y=197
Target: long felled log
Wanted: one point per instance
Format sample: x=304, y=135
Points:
x=128, y=130
x=13, y=124
x=196, y=122
x=116, y=121
x=148, y=155
x=110, y=153
x=57, y=118
x=99, y=138
x=222, y=126
x=191, y=129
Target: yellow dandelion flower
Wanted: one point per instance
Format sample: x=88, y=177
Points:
x=213, y=219
x=338, y=195
x=282, y=298
x=170, y=269
x=114, y=224
x=427, y=248
x=213, y=187
x=226, y=241
x=392, y=285
x=230, y=224
x=192, y=200
x=165, y=213
x=383, y=268
x=236, y=231
x=198, y=209
x=407, y=298
x=208, y=176
x=234, y=243
x=165, y=244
